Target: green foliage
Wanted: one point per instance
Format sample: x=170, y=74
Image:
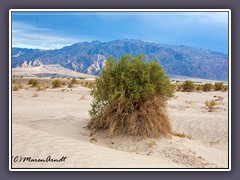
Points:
x=218, y=86
x=210, y=105
x=225, y=88
x=207, y=87
x=57, y=83
x=123, y=88
x=188, y=86
x=33, y=82
x=198, y=87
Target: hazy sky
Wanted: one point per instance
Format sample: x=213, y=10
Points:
x=53, y=30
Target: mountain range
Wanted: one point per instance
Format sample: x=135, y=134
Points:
x=90, y=57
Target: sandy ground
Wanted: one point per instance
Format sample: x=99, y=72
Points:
x=53, y=124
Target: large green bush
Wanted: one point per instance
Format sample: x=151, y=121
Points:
x=129, y=98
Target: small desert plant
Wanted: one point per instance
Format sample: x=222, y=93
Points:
x=150, y=144
x=188, y=86
x=214, y=142
x=207, y=87
x=57, y=83
x=16, y=86
x=225, y=88
x=74, y=81
x=179, y=87
x=40, y=87
x=198, y=87
x=130, y=98
x=210, y=105
x=218, y=86
x=182, y=135
x=33, y=82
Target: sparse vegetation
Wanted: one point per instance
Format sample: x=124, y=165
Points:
x=16, y=87
x=218, y=86
x=188, y=86
x=33, y=82
x=225, y=88
x=88, y=84
x=93, y=139
x=198, y=87
x=57, y=83
x=130, y=97
x=207, y=87
x=210, y=105
x=74, y=81
x=214, y=142
x=41, y=87
x=150, y=144
x=182, y=135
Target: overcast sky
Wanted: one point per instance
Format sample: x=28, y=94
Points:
x=53, y=30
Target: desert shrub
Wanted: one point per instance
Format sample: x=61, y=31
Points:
x=188, y=86
x=218, y=86
x=16, y=86
x=57, y=83
x=41, y=87
x=33, y=82
x=130, y=97
x=210, y=105
x=198, y=87
x=182, y=135
x=74, y=81
x=225, y=88
x=174, y=86
x=207, y=87
x=179, y=87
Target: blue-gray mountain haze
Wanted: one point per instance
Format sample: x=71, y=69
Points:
x=90, y=57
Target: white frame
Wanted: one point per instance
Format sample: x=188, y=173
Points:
x=119, y=10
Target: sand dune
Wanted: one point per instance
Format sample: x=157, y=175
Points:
x=54, y=124
x=48, y=71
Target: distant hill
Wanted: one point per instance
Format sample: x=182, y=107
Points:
x=90, y=57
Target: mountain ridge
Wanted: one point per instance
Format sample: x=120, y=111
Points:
x=90, y=57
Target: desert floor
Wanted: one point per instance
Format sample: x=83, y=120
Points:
x=52, y=122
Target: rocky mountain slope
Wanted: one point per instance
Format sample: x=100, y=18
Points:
x=90, y=57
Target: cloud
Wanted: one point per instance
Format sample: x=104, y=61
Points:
x=29, y=36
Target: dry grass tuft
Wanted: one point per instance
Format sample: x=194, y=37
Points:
x=93, y=139
x=214, y=142
x=150, y=144
x=182, y=135
x=148, y=120
x=16, y=87
x=210, y=105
